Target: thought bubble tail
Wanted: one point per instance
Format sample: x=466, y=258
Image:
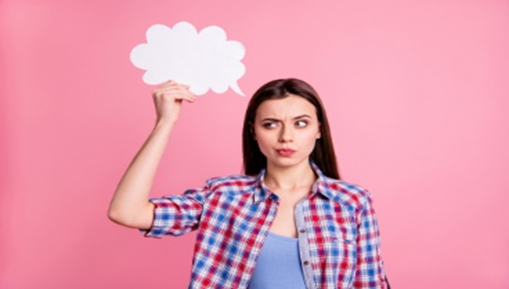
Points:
x=235, y=87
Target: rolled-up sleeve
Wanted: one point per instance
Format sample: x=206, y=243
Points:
x=370, y=272
x=177, y=214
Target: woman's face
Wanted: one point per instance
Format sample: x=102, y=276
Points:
x=286, y=130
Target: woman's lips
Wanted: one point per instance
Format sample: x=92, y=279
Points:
x=285, y=152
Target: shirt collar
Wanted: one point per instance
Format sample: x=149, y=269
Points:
x=319, y=186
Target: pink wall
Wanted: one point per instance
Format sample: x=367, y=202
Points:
x=417, y=95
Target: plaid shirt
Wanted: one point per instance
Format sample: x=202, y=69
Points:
x=337, y=227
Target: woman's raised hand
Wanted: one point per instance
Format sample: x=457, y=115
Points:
x=168, y=99
x=130, y=205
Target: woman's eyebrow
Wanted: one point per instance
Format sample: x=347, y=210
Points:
x=275, y=119
x=301, y=116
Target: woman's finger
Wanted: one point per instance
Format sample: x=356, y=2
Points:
x=172, y=90
x=172, y=83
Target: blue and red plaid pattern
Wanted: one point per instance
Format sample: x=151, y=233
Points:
x=233, y=215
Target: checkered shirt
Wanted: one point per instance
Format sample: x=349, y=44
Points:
x=338, y=233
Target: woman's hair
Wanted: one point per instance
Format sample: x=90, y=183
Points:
x=323, y=154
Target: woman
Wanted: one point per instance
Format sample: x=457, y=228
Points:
x=288, y=222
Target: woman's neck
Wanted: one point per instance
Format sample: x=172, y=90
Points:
x=289, y=178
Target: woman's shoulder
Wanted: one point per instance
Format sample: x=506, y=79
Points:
x=347, y=192
x=233, y=181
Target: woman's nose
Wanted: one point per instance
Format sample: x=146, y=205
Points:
x=286, y=135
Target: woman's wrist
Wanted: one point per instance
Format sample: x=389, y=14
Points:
x=164, y=124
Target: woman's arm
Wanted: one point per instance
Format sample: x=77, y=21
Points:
x=130, y=206
x=370, y=270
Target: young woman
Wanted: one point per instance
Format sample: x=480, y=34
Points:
x=288, y=222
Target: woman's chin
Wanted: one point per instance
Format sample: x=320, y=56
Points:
x=279, y=161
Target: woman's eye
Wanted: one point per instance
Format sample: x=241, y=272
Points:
x=269, y=125
x=301, y=123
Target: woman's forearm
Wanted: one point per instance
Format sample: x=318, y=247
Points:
x=130, y=206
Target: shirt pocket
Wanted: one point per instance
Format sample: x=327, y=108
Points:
x=338, y=258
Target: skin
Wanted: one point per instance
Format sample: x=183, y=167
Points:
x=292, y=123
x=130, y=206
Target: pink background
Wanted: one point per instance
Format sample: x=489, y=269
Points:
x=417, y=95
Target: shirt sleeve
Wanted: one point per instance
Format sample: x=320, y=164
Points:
x=176, y=215
x=370, y=272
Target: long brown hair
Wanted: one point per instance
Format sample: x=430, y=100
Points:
x=323, y=154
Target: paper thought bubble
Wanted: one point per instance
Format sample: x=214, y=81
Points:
x=204, y=60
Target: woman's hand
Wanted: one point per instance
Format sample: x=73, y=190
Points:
x=168, y=99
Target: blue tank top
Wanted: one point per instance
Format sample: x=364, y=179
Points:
x=278, y=265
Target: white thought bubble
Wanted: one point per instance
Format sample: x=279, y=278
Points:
x=204, y=60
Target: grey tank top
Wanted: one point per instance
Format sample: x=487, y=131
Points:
x=278, y=265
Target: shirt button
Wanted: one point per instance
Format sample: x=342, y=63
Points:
x=302, y=230
x=306, y=262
